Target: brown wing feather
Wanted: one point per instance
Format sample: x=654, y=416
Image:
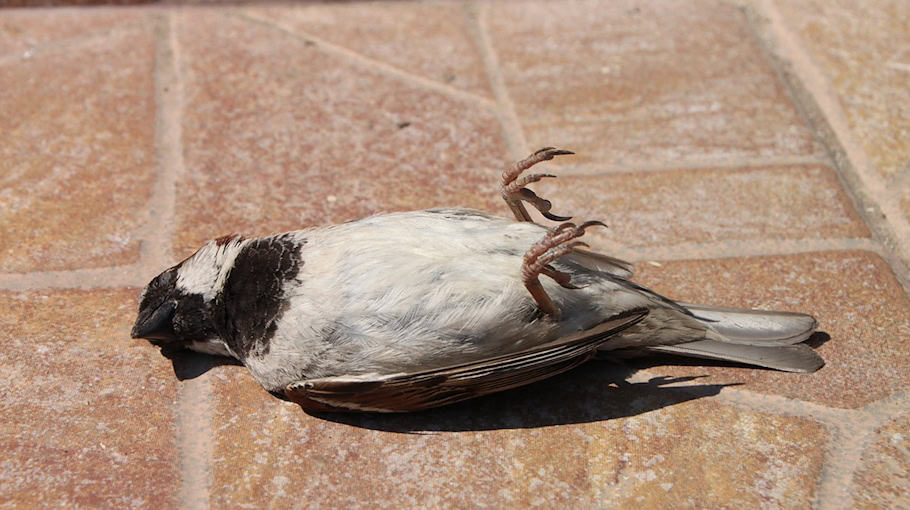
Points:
x=601, y=262
x=437, y=387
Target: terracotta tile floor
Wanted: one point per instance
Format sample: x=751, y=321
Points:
x=752, y=153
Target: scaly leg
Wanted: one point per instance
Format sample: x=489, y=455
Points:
x=555, y=244
x=513, y=188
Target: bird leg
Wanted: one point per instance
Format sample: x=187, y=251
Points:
x=556, y=243
x=513, y=185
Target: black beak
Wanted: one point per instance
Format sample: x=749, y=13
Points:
x=158, y=325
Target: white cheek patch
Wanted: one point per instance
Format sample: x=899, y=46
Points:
x=205, y=271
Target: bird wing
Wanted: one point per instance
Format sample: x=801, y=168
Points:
x=600, y=262
x=432, y=388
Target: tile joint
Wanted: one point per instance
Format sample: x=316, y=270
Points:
x=360, y=60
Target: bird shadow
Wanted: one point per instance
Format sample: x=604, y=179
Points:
x=818, y=339
x=593, y=392
x=596, y=391
x=190, y=364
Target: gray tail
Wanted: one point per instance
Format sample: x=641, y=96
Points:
x=755, y=337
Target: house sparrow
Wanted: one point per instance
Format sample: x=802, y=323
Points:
x=411, y=310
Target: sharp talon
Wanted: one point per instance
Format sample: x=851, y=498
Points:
x=563, y=279
x=513, y=191
x=556, y=243
x=562, y=227
x=591, y=223
x=517, y=185
x=554, y=217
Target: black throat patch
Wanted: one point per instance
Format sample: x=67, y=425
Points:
x=247, y=310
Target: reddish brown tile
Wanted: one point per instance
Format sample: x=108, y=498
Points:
x=88, y=412
x=21, y=31
x=431, y=40
x=695, y=206
x=884, y=479
x=854, y=296
x=579, y=440
x=864, y=53
x=632, y=82
x=78, y=155
x=279, y=136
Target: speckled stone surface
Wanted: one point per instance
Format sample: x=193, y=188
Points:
x=579, y=440
x=432, y=41
x=863, y=315
x=322, y=148
x=704, y=134
x=29, y=32
x=884, y=479
x=865, y=56
x=707, y=205
x=77, y=161
x=596, y=77
x=87, y=412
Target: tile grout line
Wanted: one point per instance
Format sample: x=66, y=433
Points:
x=848, y=442
x=129, y=276
x=193, y=410
x=891, y=407
x=367, y=62
x=843, y=453
x=816, y=102
x=694, y=164
x=742, y=249
x=849, y=432
x=82, y=279
x=157, y=245
x=516, y=143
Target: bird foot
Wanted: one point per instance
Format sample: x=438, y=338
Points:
x=556, y=243
x=513, y=184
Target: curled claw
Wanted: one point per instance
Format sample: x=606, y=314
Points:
x=591, y=223
x=549, y=152
x=553, y=217
x=563, y=279
x=541, y=204
x=556, y=243
x=527, y=179
x=513, y=188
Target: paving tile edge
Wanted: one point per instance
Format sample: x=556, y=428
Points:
x=872, y=196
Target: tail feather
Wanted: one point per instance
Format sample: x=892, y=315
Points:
x=755, y=337
x=789, y=358
x=755, y=327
